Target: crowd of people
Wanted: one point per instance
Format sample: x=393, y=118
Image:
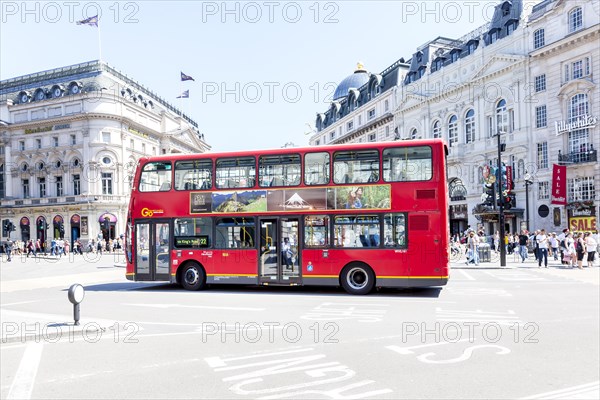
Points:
x=573, y=249
x=60, y=247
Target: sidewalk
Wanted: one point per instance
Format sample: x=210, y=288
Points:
x=555, y=268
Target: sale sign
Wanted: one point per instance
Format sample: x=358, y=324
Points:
x=583, y=219
x=583, y=224
x=559, y=184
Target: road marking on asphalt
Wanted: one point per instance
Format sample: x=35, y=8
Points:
x=466, y=275
x=165, y=306
x=409, y=350
x=508, y=317
x=330, y=311
x=22, y=385
x=514, y=275
x=302, y=373
x=587, y=391
x=479, y=291
x=20, y=302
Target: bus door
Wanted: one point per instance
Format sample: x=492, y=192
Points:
x=279, y=258
x=152, y=254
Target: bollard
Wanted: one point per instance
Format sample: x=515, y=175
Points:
x=76, y=295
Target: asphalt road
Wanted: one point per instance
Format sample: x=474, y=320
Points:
x=516, y=332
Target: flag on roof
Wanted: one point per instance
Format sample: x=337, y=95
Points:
x=185, y=77
x=91, y=21
x=184, y=95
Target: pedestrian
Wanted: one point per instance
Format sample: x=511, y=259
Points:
x=580, y=249
x=536, y=247
x=8, y=247
x=523, y=241
x=497, y=241
x=286, y=254
x=542, y=242
x=591, y=245
x=554, y=245
x=571, y=251
x=473, y=249
x=562, y=244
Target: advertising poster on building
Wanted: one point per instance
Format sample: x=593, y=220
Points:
x=559, y=184
x=583, y=220
x=84, y=226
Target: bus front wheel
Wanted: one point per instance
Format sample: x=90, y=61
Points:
x=357, y=278
x=193, y=277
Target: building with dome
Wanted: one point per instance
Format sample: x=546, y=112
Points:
x=362, y=107
x=70, y=141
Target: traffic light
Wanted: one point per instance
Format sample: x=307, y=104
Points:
x=106, y=223
x=61, y=230
x=11, y=227
x=5, y=227
x=40, y=224
x=508, y=202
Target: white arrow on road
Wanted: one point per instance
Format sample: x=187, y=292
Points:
x=164, y=306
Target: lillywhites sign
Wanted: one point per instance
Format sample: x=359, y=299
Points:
x=47, y=128
x=587, y=121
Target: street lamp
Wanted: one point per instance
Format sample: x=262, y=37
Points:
x=501, y=204
x=528, y=181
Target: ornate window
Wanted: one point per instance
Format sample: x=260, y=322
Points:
x=107, y=179
x=457, y=190
x=540, y=83
x=538, y=39
x=543, y=190
x=453, y=130
x=501, y=117
x=541, y=120
x=470, y=126
x=437, y=129
x=575, y=19
x=578, y=139
x=414, y=133
x=581, y=189
x=542, y=155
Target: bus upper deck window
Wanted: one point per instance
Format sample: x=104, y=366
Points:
x=156, y=177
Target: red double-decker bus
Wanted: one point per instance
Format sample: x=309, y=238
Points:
x=359, y=216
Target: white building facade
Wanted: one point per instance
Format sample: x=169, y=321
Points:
x=70, y=141
x=532, y=68
x=564, y=42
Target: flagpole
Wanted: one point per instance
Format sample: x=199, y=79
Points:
x=99, y=42
x=180, y=99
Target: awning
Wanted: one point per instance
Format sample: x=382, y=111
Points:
x=111, y=217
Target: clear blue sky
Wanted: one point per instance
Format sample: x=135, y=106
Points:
x=279, y=61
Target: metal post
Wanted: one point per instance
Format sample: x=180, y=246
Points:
x=528, y=182
x=76, y=313
x=501, y=207
x=527, y=205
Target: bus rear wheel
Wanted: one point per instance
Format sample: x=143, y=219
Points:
x=193, y=277
x=357, y=278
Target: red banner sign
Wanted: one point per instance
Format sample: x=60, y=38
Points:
x=559, y=184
